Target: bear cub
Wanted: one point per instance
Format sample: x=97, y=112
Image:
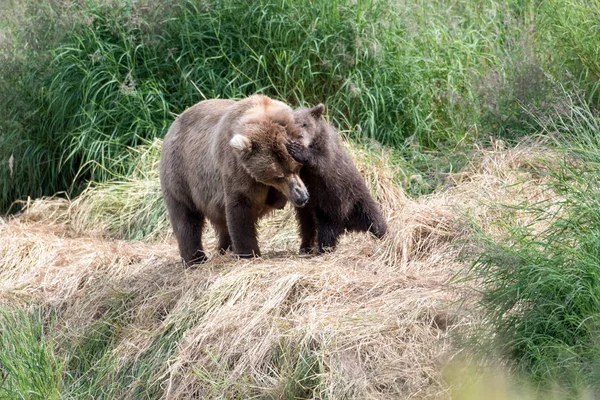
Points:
x=339, y=197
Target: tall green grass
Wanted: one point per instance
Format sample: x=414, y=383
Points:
x=541, y=286
x=570, y=29
x=414, y=75
x=29, y=367
x=128, y=206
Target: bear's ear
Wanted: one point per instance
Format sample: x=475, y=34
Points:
x=241, y=143
x=317, y=111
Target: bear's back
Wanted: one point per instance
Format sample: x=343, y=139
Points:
x=190, y=170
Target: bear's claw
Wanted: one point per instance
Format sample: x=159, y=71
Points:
x=297, y=151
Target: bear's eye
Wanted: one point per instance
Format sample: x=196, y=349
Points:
x=305, y=125
x=279, y=179
x=300, y=136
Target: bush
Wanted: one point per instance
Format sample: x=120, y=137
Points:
x=541, y=286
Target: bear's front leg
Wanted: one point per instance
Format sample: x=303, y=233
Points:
x=328, y=232
x=224, y=238
x=327, y=237
x=308, y=228
x=366, y=217
x=241, y=222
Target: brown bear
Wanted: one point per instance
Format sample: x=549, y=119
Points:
x=339, y=197
x=226, y=161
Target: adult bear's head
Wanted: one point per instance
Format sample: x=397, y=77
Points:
x=260, y=148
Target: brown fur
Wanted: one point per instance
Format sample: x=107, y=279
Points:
x=226, y=161
x=339, y=197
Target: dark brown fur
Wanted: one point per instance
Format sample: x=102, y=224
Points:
x=226, y=161
x=339, y=197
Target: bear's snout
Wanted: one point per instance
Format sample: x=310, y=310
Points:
x=300, y=197
x=298, y=193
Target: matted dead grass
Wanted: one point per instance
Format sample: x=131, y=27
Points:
x=374, y=320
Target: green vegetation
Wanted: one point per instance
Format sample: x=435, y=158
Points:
x=35, y=365
x=541, y=284
x=128, y=206
x=87, y=89
x=82, y=83
x=29, y=368
x=573, y=38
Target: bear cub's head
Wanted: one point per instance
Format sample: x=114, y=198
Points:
x=261, y=151
x=309, y=125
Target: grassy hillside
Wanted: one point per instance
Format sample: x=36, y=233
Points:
x=115, y=319
x=91, y=314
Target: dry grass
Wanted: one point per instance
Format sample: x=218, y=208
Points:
x=372, y=320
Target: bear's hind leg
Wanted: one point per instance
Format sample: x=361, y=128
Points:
x=187, y=225
x=366, y=217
